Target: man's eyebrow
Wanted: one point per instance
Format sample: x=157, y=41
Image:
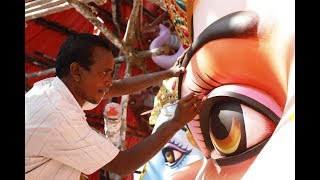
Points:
x=108, y=69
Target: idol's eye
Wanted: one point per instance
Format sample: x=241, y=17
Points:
x=234, y=127
x=236, y=122
x=171, y=155
x=174, y=155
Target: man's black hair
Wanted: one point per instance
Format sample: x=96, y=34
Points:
x=78, y=48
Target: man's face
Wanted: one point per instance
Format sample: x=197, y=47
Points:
x=96, y=82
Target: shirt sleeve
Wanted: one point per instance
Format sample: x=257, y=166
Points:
x=74, y=143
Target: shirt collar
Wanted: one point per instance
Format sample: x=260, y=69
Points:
x=65, y=92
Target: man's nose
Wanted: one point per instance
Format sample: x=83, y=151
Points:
x=108, y=81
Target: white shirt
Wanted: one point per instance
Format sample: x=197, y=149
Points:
x=59, y=143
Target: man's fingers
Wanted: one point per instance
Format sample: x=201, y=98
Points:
x=197, y=102
x=188, y=97
x=185, y=52
x=181, y=57
x=201, y=104
x=193, y=99
x=179, y=62
x=182, y=69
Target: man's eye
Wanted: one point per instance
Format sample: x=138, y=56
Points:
x=106, y=73
x=109, y=72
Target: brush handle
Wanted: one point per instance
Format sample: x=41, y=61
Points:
x=155, y=109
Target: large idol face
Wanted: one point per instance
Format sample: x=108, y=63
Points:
x=244, y=65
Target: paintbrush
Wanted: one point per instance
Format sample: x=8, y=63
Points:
x=155, y=109
x=200, y=96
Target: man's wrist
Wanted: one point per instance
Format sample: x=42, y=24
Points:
x=168, y=73
x=174, y=124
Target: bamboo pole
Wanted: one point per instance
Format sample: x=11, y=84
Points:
x=40, y=73
x=130, y=31
x=47, y=11
x=88, y=14
x=26, y=1
x=35, y=3
x=47, y=5
x=160, y=3
x=116, y=16
x=128, y=41
x=39, y=8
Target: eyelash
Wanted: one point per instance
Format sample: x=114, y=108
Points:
x=179, y=146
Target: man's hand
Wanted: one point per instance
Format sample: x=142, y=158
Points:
x=176, y=69
x=188, y=107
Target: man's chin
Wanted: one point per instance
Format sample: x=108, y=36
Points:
x=90, y=105
x=98, y=99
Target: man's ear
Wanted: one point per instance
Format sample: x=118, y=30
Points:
x=75, y=71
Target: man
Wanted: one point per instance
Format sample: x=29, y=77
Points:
x=59, y=144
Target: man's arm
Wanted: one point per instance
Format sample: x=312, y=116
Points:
x=143, y=81
x=131, y=159
x=136, y=83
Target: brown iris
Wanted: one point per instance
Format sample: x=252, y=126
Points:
x=227, y=131
x=230, y=143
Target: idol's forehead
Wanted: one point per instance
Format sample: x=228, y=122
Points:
x=225, y=54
